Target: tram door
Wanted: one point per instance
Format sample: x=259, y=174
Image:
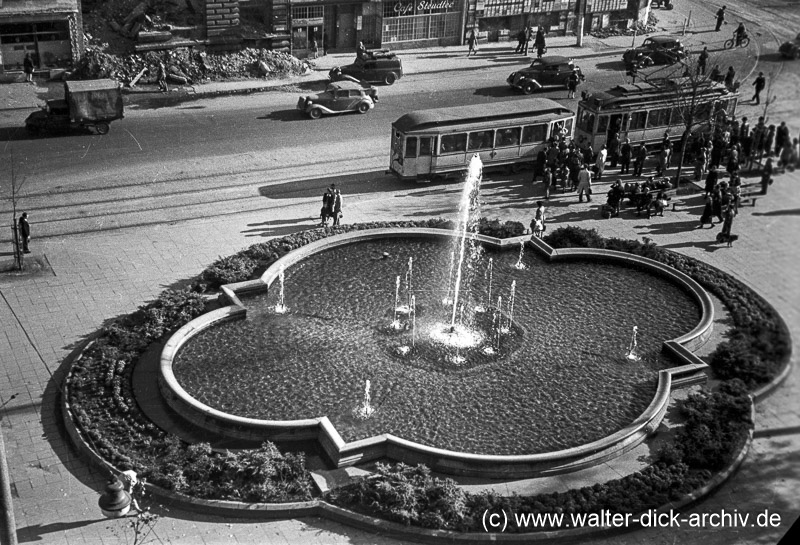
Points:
x=418, y=155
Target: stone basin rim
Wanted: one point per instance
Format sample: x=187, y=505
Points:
x=344, y=453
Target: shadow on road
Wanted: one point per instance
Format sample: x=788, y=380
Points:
x=496, y=91
x=286, y=115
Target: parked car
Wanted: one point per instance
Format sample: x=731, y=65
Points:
x=339, y=97
x=791, y=50
x=658, y=49
x=552, y=70
x=380, y=66
x=90, y=104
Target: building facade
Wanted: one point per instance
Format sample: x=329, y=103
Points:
x=50, y=30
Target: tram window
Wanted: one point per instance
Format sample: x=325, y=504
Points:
x=677, y=117
x=533, y=134
x=602, y=124
x=704, y=112
x=425, y=146
x=568, y=126
x=507, y=137
x=453, y=143
x=411, y=147
x=638, y=120
x=479, y=140
x=658, y=118
x=586, y=121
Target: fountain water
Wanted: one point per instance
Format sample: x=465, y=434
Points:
x=487, y=275
x=520, y=265
x=507, y=327
x=365, y=410
x=395, y=322
x=447, y=300
x=632, y=348
x=280, y=307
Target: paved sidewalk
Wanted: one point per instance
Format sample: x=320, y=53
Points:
x=101, y=276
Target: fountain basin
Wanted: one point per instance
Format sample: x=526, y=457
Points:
x=353, y=448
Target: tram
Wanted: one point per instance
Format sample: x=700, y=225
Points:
x=430, y=144
x=645, y=112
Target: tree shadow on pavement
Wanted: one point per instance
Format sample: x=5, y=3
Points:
x=283, y=227
x=38, y=532
x=787, y=212
x=611, y=65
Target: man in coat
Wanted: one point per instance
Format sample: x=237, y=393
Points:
x=759, y=85
x=24, y=232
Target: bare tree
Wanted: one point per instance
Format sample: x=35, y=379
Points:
x=14, y=196
x=694, y=93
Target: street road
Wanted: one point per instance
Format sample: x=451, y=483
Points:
x=233, y=154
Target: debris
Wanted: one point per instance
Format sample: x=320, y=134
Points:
x=138, y=77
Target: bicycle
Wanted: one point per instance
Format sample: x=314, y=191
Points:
x=730, y=43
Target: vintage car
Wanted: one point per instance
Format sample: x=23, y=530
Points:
x=547, y=71
x=339, y=97
x=791, y=50
x=656, y=50
x=375, y=67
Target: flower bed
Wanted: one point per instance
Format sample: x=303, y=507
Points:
x=100, y=399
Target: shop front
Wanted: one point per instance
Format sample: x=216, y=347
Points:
x=50, y=30
x=335, y=26
x=421, y=23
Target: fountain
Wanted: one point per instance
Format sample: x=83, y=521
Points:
x=280, y=307
x=456, y=379
x=520, y=265
x=632, y=354
x=365, y=410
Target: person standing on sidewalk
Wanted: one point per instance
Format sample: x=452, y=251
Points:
x=27, y=65
x=585, y=184
x=521, y=36
x=759, y=84
x=625, y=152
x=720, y=18
x=473, y=42
x=24, y=232
x=600, y=162
x=528, y=36
x=639, y=159
x=730, y=76
x=337, y=207
x=702, y=60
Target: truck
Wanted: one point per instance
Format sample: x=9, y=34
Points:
x=90, y=104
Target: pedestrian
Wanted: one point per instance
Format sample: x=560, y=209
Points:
x=730, y=76
x=663, y=158
x=759, y=84
x=572, y=83
x=472, y=41
x=766, y=175
x=720, y=18
x=361, y=51
x=702, y=60
x=528, y=36
x=537, y=224
x=540, y=165
x=585, y=184
x=787, y=154
x=327, y=205
x=521, y=37
x=24, y=232
x=625, y=152
x=769, y=140
x=716, y=74
x=728, y=213
x=781, y=138
x=161, y=76
x=614, y=145
x=312, y=47
x=712, y=179
x=708, y=214
x=549, y=181
x=600, y=162
x=324, y=44
x=639, y=159
x=27, y=66
x=337, y=207
x=539, y=42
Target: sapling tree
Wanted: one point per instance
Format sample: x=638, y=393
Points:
x=14, y=194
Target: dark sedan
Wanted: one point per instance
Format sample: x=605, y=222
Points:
x=656, y=50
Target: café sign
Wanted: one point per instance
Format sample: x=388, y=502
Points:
x=407, y=8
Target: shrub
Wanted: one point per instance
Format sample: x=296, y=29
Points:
x=496, y=229
x=716, y=425
x=227, y=270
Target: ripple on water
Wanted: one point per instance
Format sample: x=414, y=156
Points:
x=561, y=381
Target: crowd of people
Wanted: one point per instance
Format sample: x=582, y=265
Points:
x=721, y=157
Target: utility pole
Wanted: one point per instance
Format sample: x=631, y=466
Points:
x=580, y=10
x=8, y=528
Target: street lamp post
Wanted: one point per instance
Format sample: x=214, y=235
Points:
x=115, y=502
x=8, y=526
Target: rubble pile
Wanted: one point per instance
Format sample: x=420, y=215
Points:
x=189, y=66
x=637, y=28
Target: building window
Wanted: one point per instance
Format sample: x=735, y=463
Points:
x=307, y=12
x=500, y=8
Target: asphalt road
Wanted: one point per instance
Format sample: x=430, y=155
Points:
x=234, y=154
